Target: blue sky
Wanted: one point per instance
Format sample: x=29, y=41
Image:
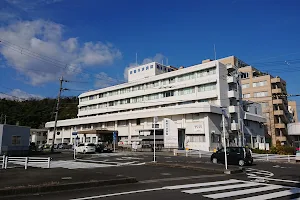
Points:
x=263, y=33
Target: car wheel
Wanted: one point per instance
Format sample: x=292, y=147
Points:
x=241, y=163
x=215, y=160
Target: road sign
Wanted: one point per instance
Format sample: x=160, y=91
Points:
x=114, y=136
x=74, y=133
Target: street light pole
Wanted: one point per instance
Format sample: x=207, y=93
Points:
x=154, y=122
x=224, y=139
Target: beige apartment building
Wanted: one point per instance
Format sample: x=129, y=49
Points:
x=269, y=91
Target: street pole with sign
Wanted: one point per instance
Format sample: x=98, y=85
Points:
x=224, y=139
x=154, y=122
x=114, y=138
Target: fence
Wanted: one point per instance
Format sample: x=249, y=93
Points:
x=256, y=157
x=2, y=161
x=25, y=161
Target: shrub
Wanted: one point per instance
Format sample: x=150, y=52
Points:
x=281, y=150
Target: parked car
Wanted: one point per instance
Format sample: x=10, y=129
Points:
x=235, y=155
x=103, y=149
x=86, y=148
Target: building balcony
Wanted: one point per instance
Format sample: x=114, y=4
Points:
x=277, y=91
x=277, y=101
x=280, y=125
x=230, y=67
x=232, y=94
x=282, y=115
x=277, y=80
x=231, y=79
x=234, y=126
x=232, y=109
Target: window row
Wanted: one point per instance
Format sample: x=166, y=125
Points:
x=256, y=94
x=133, y=71
x=184, y=91
x=209, y=100
x=164, y=82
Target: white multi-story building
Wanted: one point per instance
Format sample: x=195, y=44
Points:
x=187, y=102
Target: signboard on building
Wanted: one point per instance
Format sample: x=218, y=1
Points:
x=170, y=134
x=199, y=128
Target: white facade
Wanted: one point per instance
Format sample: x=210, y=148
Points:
x=38, y=136
x=191, y=98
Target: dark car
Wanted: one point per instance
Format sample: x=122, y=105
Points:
x=100, y=148
x=235, y=155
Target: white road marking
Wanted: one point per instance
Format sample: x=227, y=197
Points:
x=201, y=184
x=226, y=187
x=118, y=194
x=278, y=180
x=274, y=195
x=242, y=192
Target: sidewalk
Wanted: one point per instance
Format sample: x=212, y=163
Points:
x=20, y=181
x=200, y=166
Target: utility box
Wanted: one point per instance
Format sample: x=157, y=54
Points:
x=14, y=140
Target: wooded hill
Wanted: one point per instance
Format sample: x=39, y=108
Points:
x=35, y=113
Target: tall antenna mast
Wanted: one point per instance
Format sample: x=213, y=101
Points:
x=167, y=61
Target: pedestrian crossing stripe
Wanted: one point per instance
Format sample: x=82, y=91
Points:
x=240, y=187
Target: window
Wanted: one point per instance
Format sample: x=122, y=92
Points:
x=122, y=123
x=168, y=94
x=111, y=103
x=147, y=68
x=245, y=75
x=16, y=140
x=151, y=66
x=186, y=77
x=130, y=72
x=206, y=72
x=207, y=87
x=143, y=69
x=260, y=94
x=246, y=95
x=246, y=85
x=259, y=84
x=185, y=91
x=138, y=121
x=157, y=66
x=195, y=138
x=172, y=80
x=264, y=105
x=139, y=70
x=156, y=83
x=134, y=71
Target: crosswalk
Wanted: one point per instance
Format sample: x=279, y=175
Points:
x=237, y=189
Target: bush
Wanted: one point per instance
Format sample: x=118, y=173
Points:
x=281, y=150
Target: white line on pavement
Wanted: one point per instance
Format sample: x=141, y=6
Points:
x=242, y=192
x=118, y=194
x=274, y=179
x=274, y=195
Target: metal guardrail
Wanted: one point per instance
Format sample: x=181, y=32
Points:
x=2, y=161
x=256, y=156
x=26, y=161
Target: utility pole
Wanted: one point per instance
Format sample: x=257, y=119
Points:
x=61, y=80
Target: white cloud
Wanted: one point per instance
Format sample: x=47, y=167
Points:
x=103, y=80
x=20, y=95
x=157, y=58
x=46, y=38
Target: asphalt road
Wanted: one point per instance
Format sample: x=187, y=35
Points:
x=263, y=180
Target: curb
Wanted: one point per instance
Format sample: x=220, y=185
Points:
x=229, y=171
x=60, y=187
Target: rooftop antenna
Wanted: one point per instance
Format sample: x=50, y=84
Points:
x=167, y=60
x=136, y=59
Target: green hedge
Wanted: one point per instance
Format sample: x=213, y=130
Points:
x=281, y=150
